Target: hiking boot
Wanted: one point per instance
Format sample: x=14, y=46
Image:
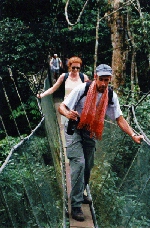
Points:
x=86, y=200
x=77, y=214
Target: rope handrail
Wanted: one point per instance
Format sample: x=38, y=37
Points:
x=138, y=126
x=142, y=99
x=20, y=143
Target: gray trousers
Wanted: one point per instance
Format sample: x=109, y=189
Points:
x=80, y=150
x=55, y=73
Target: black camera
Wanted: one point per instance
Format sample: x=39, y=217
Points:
x=72, y=125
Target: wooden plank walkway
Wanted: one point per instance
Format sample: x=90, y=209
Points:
x=88, y=223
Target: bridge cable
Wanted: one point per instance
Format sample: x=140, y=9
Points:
x=142, y=99
x=7, y=137
x=136, y=122
x=7, y=99
x=11, y=76
x=7, y=208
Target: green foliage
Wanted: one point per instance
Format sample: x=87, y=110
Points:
x=6, y=145
x=39, y=29
x=139, y=24
x=142, y=111
x=33, y=38
x=140, y=28
x=22, y=50
x=143, y=115
x=102, y=190
x=27, y=182
x=30, y=107
x=30, y=32
x=115, y=193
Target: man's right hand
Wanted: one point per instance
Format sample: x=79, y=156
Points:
x=72, y=115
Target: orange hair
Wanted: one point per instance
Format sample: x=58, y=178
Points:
x=73, y=59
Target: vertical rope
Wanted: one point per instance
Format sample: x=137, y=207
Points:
x=5, y=130
x=7, y=209
x=7, y=99
x=11, y=76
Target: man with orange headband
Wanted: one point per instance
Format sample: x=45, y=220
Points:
x=91, y=109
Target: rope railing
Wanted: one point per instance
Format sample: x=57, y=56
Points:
x=138, y=126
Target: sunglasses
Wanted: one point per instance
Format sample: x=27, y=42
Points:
x=74, y=67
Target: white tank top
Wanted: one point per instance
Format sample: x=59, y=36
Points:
x=70, y=85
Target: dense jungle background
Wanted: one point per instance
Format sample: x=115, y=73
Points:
x=114, y=32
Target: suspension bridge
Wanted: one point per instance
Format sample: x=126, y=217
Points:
x=35, y=177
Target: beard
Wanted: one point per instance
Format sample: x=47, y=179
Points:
x=101, y=89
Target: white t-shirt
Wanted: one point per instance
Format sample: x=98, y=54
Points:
x=113, y=111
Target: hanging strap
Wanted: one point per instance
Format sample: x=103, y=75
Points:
x=110, y=92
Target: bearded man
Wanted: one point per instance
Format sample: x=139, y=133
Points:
x=91, y=109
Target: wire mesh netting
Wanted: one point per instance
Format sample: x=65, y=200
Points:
x=31, y=189
x=28, y=186
x=120, y=180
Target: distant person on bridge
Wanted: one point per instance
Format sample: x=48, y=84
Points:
x=74, y=78
x=91, y=109
x=55, y=65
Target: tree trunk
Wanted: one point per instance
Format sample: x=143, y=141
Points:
x=119, y=54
